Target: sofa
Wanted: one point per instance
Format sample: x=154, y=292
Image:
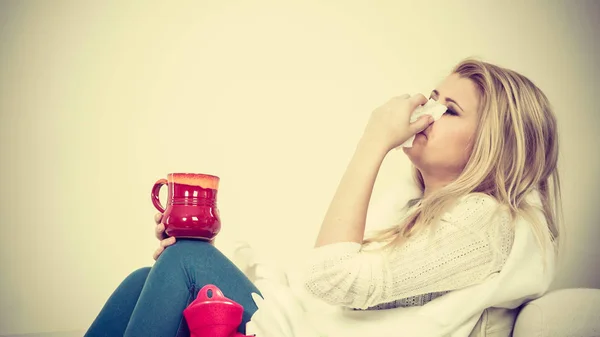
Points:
x=565, y=312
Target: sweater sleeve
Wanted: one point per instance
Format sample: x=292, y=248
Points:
x=466, y=246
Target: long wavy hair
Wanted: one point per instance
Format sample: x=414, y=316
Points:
x=515, y=152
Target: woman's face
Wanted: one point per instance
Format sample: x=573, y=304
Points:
x=444, y=148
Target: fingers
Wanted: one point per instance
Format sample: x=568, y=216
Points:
x=167, y=242
x=159, y=230
x=163, y=244
x=413, y=101
x=421, y=124
x=416, y=100
x=401, y=97
x=157, y=253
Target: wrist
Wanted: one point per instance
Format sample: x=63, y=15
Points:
x=370, y=149
x=372, y=145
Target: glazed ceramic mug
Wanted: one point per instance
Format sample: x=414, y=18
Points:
x=191, y=209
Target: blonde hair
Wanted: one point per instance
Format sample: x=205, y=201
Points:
x=515, y=152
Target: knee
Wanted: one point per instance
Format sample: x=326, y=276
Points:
x=191, y=253
x=187, y=248
x=139, y=275
x=134, y=281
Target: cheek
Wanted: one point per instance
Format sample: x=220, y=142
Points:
x=454, y=140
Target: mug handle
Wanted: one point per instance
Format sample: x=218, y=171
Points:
x=155, y=194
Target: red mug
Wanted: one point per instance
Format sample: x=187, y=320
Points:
x=191, y=210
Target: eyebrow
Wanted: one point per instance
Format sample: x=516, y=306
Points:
x=435, y=92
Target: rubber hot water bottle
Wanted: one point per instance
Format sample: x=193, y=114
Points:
x=212, y=314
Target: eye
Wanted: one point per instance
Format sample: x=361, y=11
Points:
x=451, y=112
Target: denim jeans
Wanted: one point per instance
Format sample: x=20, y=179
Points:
x=150, y=301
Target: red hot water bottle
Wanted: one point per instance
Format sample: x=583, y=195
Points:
x=212, y=314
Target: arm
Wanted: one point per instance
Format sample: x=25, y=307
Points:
x=464, y=249
x=388, y=127
x=345, y=219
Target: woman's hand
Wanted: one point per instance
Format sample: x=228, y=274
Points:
x=389, y=125
x=165, y=241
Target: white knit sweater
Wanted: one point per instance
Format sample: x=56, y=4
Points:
x=466, y=246
x=436, y=284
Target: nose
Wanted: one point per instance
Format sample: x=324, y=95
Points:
x=428, y=130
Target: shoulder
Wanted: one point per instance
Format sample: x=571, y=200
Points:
x=482, y=216
x=476, y=208
x=473, y=203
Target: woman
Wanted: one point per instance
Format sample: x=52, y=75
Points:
x=479, y=242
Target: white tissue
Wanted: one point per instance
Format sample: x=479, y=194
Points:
x=433, y=108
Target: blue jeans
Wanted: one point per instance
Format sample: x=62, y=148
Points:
x=150, y=301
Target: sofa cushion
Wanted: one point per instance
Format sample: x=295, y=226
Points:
x=564, y=312
x=495, y=322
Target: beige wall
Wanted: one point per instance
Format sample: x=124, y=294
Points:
x=99, y=100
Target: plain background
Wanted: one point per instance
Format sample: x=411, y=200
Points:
x=98, y=100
